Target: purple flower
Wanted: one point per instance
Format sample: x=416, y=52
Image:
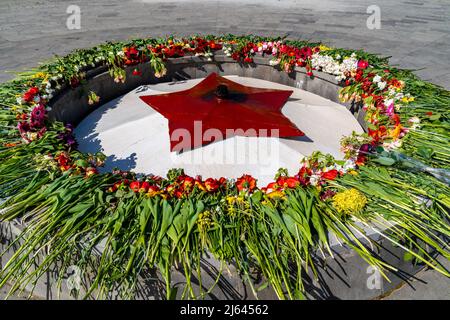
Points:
x=23, y=127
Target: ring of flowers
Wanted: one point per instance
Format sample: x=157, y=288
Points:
x=387, y=94
x=382, y=94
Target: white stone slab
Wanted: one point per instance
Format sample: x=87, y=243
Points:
x=135, y=137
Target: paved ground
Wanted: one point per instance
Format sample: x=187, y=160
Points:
x=428, y=285
x=416, y=33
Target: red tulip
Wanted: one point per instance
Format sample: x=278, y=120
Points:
x=144, y=186
x=153, y=190
x=135, y=186
x=272, y=186
x=211, y=184
x=199, y=184
x=91, y=171
x=246, y=183
x=303, y=175
x=330, y=175
x=186, y=182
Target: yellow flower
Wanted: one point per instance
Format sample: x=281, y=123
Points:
x=230, y=199
x=395, y=133
x=204, y=220
x=40, y=75
x=276, y=195
x=407, y=99
x=324, y=48
x=349, y=201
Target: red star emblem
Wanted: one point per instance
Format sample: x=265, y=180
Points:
x=218, y=108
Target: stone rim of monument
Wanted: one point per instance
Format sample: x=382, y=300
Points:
x=70, y=105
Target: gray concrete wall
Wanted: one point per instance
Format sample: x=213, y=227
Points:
x=71, y=105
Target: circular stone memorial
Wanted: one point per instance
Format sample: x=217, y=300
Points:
x=136, y=137
x=350, y=183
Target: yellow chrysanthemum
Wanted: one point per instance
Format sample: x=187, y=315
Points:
x=349, y=201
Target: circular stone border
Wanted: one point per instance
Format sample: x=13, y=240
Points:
x=71, y=105
x=37, y=194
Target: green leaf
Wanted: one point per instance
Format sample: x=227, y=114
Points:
x=435, y=117
x=290, y=223
x=385, y=161
x=408, y=256
x=425, y=152
x=81, y=163
x=256, y=197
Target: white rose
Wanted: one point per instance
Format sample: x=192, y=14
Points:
x=314, y=179
x=349, y=164
x=381, y=85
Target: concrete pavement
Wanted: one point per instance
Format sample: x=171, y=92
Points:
x=414, y=32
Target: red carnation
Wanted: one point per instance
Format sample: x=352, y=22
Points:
x=30, y=94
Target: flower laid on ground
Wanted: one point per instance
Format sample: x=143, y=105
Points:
x=136, y=72
x=350, y=201
x=182, y=186
x=93, y=98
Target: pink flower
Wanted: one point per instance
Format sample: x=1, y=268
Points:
x=37, y=116
x=390, y=110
